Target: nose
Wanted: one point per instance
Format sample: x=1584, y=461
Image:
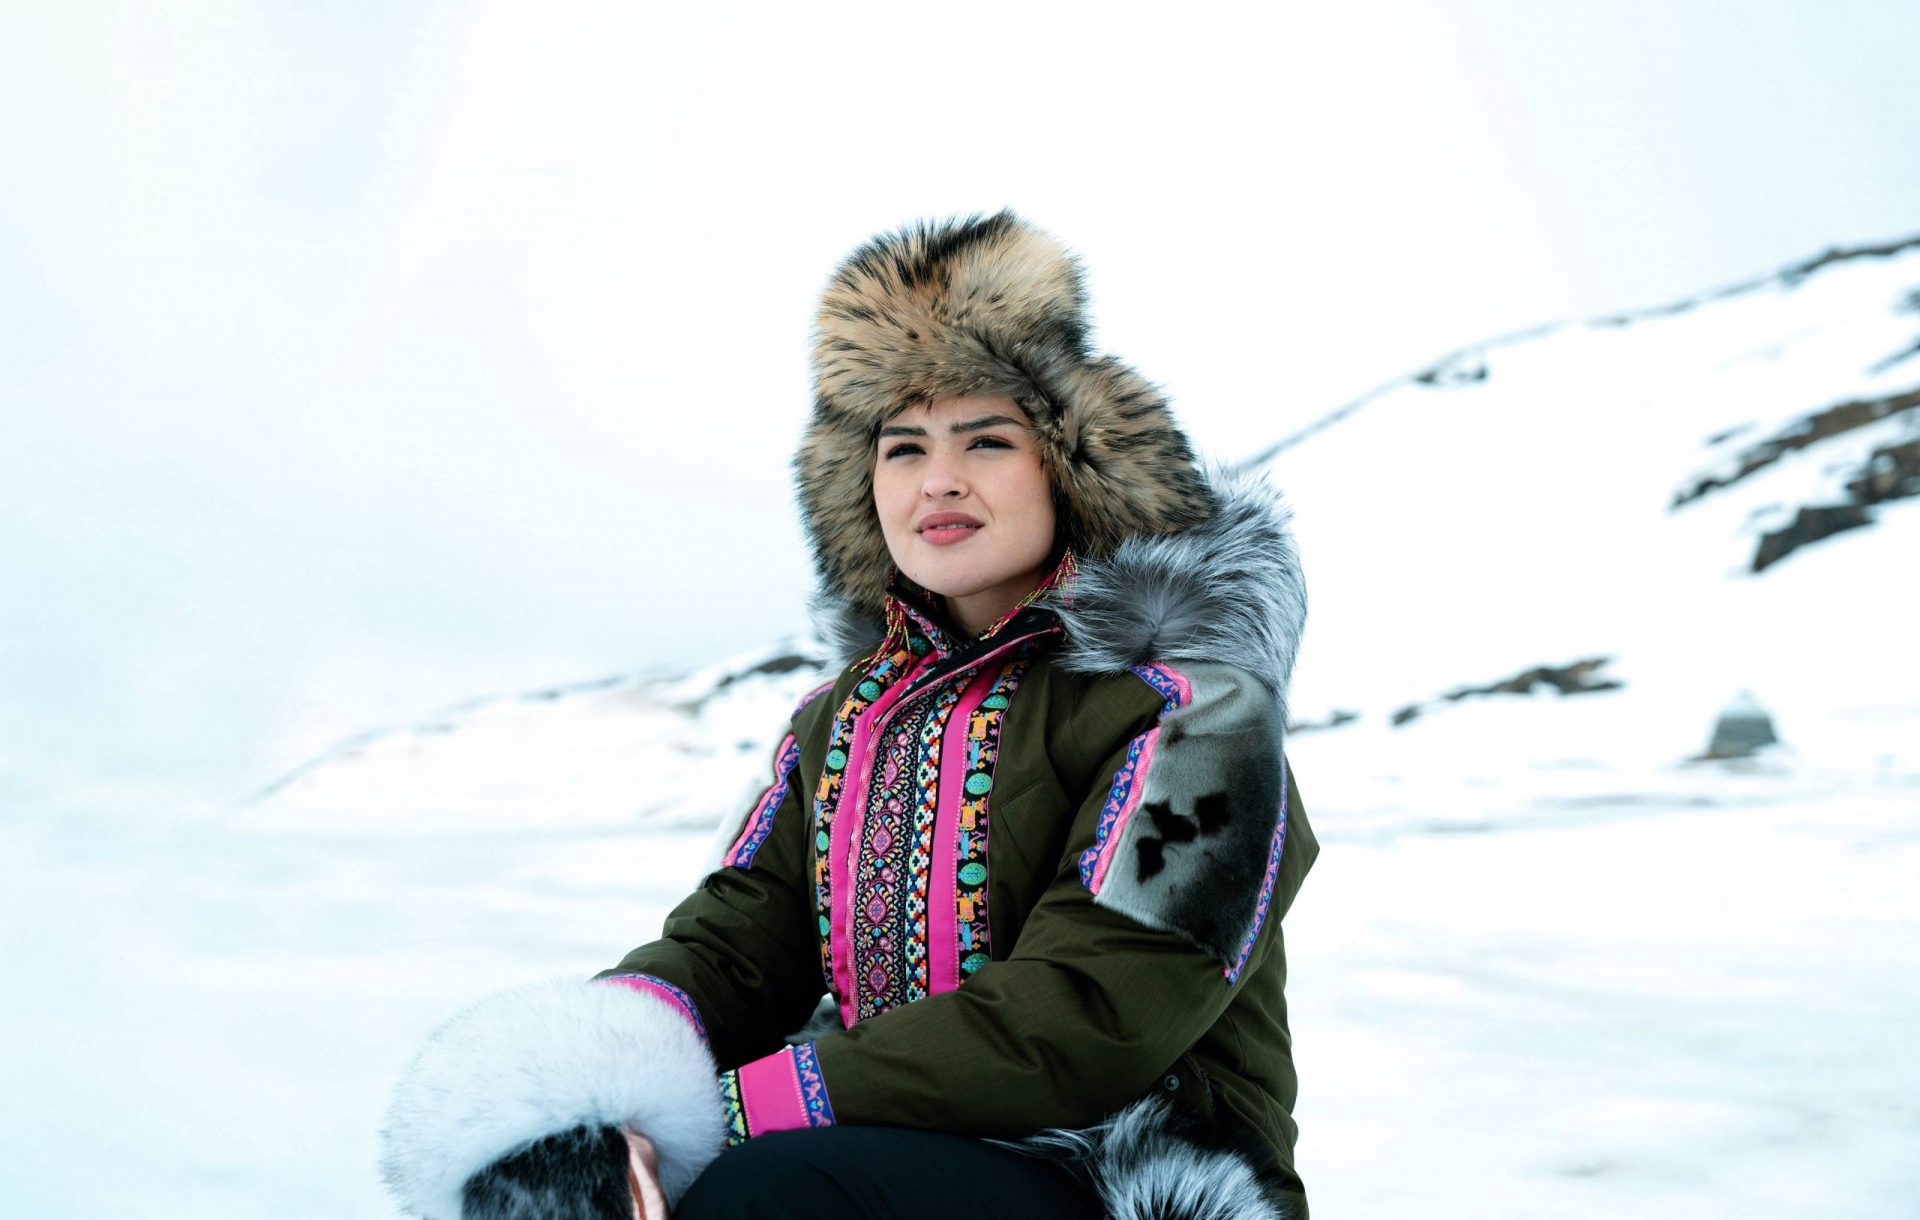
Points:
x=942, y=479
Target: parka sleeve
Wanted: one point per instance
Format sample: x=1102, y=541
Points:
x=1148, y=929
x=739, y=952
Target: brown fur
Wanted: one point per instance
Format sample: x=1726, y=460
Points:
x=980, y=306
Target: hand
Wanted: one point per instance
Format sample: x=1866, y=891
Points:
x=643, y=1176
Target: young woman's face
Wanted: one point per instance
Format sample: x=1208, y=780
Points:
x=965, y=503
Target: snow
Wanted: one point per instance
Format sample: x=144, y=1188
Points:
x=1548, y=963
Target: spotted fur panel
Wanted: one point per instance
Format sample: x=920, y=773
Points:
x=1194, y=855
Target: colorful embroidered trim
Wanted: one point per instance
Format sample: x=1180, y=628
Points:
x=1170, y=683
x=759, y=823
x=1266, y=886
x=733, y=1108
x=1129, y=782
x=895, y=858
x=813, y=1085
x=784, y=1091
x=647, y=984
x=826, y=795
x=970, y=877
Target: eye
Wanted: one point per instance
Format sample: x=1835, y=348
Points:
x=906, y=447
x=991, y=442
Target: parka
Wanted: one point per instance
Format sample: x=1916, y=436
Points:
x=1026, y=885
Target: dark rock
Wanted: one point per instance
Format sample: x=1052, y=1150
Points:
x=1742, y=728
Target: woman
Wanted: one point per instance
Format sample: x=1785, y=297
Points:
x=1033, y=841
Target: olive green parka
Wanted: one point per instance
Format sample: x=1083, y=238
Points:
x=1026, y=886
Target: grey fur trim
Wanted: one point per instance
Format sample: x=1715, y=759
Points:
x=844, y=628
x=1144, y=1169
x=1227, y=590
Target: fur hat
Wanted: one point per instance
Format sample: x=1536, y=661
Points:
x=980, y=306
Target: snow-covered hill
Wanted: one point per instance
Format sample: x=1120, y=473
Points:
x=1607, y=490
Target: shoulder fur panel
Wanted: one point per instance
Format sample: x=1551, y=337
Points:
x=1192, y=857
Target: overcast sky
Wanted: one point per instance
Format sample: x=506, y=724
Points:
x=358, y=359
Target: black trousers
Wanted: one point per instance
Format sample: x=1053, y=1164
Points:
x=881, y=1173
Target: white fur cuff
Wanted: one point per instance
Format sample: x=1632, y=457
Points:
x=539, y=1059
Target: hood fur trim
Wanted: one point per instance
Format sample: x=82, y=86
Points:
x=1229, y=590
x=981, y=305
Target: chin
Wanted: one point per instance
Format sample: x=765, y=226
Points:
x=948, y=582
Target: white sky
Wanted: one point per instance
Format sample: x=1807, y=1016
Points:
x=356, y=361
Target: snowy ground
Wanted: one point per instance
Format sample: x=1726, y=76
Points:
x=1685, y=990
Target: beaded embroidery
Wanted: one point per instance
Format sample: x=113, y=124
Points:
x=895, y=859
x=970, y=892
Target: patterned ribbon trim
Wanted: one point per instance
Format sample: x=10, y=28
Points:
x=1266, y=886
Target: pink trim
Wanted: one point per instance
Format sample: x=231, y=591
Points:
x=1139, y=785
x=943, y=920
x=847, y=823
x=770, y=1092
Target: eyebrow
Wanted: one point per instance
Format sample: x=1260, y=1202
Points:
x=972, y=425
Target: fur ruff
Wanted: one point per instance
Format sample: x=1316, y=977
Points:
x=525, y=1063
x=1144, y=1168
x=982, y=305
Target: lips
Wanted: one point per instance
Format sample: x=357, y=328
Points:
x=947, y=522
x=943, y=529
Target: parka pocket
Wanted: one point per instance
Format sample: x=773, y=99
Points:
x=1026, y=835
x=1186, y=1085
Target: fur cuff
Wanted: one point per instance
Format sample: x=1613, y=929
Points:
x=535, y=1060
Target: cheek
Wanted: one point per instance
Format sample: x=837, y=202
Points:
x=886, y=497
x=1037, y=506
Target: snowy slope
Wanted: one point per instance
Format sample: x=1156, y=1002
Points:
x=664, y=751
x=1514, y=507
